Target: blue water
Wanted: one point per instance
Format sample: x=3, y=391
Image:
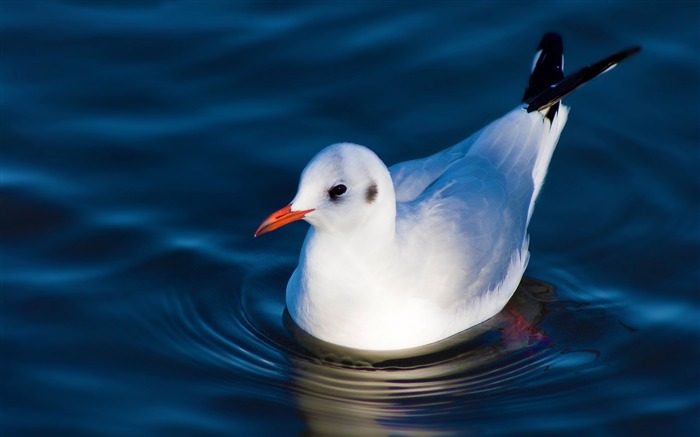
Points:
x=143, y=143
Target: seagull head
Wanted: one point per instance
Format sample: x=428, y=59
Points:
x=345, y=187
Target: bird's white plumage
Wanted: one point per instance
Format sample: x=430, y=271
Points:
x=409, y=255
x=441, y=247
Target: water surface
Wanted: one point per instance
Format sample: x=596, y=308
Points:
x=142, y=144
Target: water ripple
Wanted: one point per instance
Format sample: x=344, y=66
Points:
x=367, y=391
x=143, y=141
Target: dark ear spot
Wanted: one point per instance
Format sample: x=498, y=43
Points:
x=371, y=192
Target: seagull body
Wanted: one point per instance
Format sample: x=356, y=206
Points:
x=405, y=256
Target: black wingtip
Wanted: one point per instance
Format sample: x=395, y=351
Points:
x=547, y=68
x=553, y=94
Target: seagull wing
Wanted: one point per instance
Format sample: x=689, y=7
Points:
x=477, y=196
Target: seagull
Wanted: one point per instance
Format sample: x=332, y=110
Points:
x=409, y=255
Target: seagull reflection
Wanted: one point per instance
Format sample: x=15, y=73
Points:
x=419, y=391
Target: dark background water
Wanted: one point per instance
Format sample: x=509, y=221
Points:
x=143, y=142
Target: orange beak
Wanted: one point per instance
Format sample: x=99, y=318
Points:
x=280, y=218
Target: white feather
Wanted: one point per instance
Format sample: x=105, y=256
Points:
x=441, y=248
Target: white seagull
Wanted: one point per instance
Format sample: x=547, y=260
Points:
x=409, y=255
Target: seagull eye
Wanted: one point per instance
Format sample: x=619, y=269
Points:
x=337, y=191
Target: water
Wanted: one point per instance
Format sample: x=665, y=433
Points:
x=142, y=144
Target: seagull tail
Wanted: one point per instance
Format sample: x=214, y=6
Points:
x=546, y=95
x=547, y=71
